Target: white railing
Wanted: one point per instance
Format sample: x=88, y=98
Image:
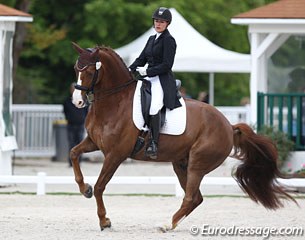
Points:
x=35, y=126
x=237, y=114
x=41, y=180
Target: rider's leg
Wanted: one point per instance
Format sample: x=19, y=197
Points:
x=155, y=124
x=155, y=116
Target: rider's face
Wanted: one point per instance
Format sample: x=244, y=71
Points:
x=160, y=25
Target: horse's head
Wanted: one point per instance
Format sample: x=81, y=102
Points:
x=87, y=68
x=101, y=68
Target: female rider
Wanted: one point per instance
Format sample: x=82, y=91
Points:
x=159, y=53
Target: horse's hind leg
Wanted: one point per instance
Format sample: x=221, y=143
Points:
x=192, y=198
x=85, y=146
x=181, y=172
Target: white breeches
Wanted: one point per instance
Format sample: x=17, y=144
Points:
x=156, y=95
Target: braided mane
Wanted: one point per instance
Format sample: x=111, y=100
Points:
x=111, y=52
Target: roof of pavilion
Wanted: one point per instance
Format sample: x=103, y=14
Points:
x=282, y=9
x=8, y=11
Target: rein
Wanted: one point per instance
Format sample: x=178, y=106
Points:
x=116, y=89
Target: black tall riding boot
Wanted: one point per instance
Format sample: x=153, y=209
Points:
x=155, y=124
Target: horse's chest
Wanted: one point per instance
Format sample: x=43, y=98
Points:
x=95, y=133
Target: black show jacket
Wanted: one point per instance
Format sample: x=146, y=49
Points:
x=160, y=55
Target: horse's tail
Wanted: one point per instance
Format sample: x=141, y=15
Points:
x=257, y=173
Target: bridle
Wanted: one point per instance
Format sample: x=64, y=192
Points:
x=90, y=90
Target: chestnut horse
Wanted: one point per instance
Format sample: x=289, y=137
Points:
x=205, y=144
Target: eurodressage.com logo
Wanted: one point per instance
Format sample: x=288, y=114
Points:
x=266, y=232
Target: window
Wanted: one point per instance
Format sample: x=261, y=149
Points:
x=286, y=68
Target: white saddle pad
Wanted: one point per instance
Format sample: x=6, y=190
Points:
x=175, y=121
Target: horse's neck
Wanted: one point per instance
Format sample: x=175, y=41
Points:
x=113, y=97
x=116, y=103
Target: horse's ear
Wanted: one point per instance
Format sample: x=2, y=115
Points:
x=77, y=48
x=95, y=53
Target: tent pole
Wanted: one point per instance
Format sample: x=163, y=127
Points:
x=211, y=88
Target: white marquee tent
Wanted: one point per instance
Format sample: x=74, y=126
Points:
x=195, y=53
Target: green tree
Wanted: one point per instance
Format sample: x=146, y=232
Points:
x=45, y=67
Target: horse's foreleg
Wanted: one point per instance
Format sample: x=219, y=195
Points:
x=109, y=168
x=85, y=146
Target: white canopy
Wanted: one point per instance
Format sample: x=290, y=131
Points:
x=194, y=52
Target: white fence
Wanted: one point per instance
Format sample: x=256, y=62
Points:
x=35, y=126
x=35, y=137
x=41, y=180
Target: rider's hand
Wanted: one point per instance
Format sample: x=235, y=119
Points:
x=141, y=71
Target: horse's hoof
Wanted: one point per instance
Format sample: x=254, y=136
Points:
x=89, y=192
x=164, y=228
x=107, y=224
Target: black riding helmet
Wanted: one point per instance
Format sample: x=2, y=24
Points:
x=163, y=13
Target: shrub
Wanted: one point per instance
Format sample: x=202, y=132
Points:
x=283, y=144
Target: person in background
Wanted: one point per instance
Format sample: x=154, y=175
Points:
x=159, y=53
x=244, y=101
x=75, y=122
x=184, y=93
x=203, y=97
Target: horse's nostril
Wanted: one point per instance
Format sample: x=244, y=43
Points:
x=80, y=103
